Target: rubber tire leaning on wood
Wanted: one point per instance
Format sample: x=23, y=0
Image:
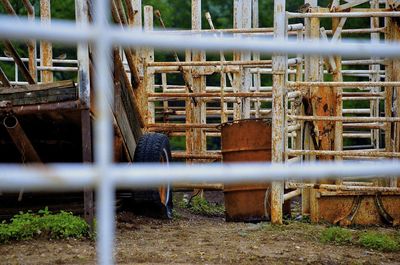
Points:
x=154, y=148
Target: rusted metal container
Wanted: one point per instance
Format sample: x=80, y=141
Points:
x=241, y=141
x=357, y=208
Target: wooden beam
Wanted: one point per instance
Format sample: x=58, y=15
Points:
x=118, y=16
x=46, y=48
x=17, y=59
x=350, y=4
x=3, y=78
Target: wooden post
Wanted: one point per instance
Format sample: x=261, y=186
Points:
x=135, y=21
x=246, y=56
x=148, y=81
x=88, y=196
x=375, y=76
x=32, y=46
x=392, y=141
x=199, y=85
x=237, y=24
x=189, y=115
x=256, y=57
x=134, y=11
x=396, y=77
x=279, y=68
x=81, y=11
x=337, y=25
x=298, y=109
x=312, y=73
x=46, y=50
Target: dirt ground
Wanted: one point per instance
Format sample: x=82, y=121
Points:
x=193, y=239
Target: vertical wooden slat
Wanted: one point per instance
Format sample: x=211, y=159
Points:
x=189, y=114
x=149, y=109
x=81, y=13
x=237, y=24
x=46, y=48
x=312, y=74
x=199, y=84
x=392, y=100
x=32, y=49
x=375, y=76
x=256, y=57
x=88, y=196
x=245, y=83
x=337, y=25
x=279, y=68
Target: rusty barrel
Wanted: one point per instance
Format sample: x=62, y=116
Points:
x=247, y=141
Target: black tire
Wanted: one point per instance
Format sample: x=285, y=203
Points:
x=154, y=148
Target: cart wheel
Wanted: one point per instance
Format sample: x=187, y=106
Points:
x=154, y=148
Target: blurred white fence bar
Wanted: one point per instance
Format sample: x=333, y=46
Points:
x=68, y=32
x=77, y=176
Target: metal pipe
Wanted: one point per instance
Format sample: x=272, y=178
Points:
x=209, y=63
x=39, y=108
x=291, y=194
x=209, y=95
x=342, y=84
x=362, y=62
x=20, y=139
x=343, y=153
x=57, y=69
x=359, y=31
x=343, y=14
x=188, y=186
x=208, y=155
x=66, y=61
x=342, y=187
x=345, y=119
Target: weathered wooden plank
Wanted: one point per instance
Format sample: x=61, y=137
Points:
x=38, y=94
x=123, y=123
x=36, y=87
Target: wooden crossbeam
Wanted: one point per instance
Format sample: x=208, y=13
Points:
x=331, y=60
x=4, y=79
x=350, y=5
x=14, y=54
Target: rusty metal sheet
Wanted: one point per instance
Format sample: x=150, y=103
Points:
x=337, y=209
x=247, y=140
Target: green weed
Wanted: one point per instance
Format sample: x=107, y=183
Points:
x=368, y=239
x=378, y=241
x=25, y=226
x=200, y=206
x=336, y=235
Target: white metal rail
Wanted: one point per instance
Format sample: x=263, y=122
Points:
x=106, y=176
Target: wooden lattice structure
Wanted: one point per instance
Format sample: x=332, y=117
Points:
x=321, y=117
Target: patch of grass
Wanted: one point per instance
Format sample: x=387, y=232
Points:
x=337, y=235
x=176, y=215
x=24, y=226
x=201, y=206
x=378, y=241
x=368, y=239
